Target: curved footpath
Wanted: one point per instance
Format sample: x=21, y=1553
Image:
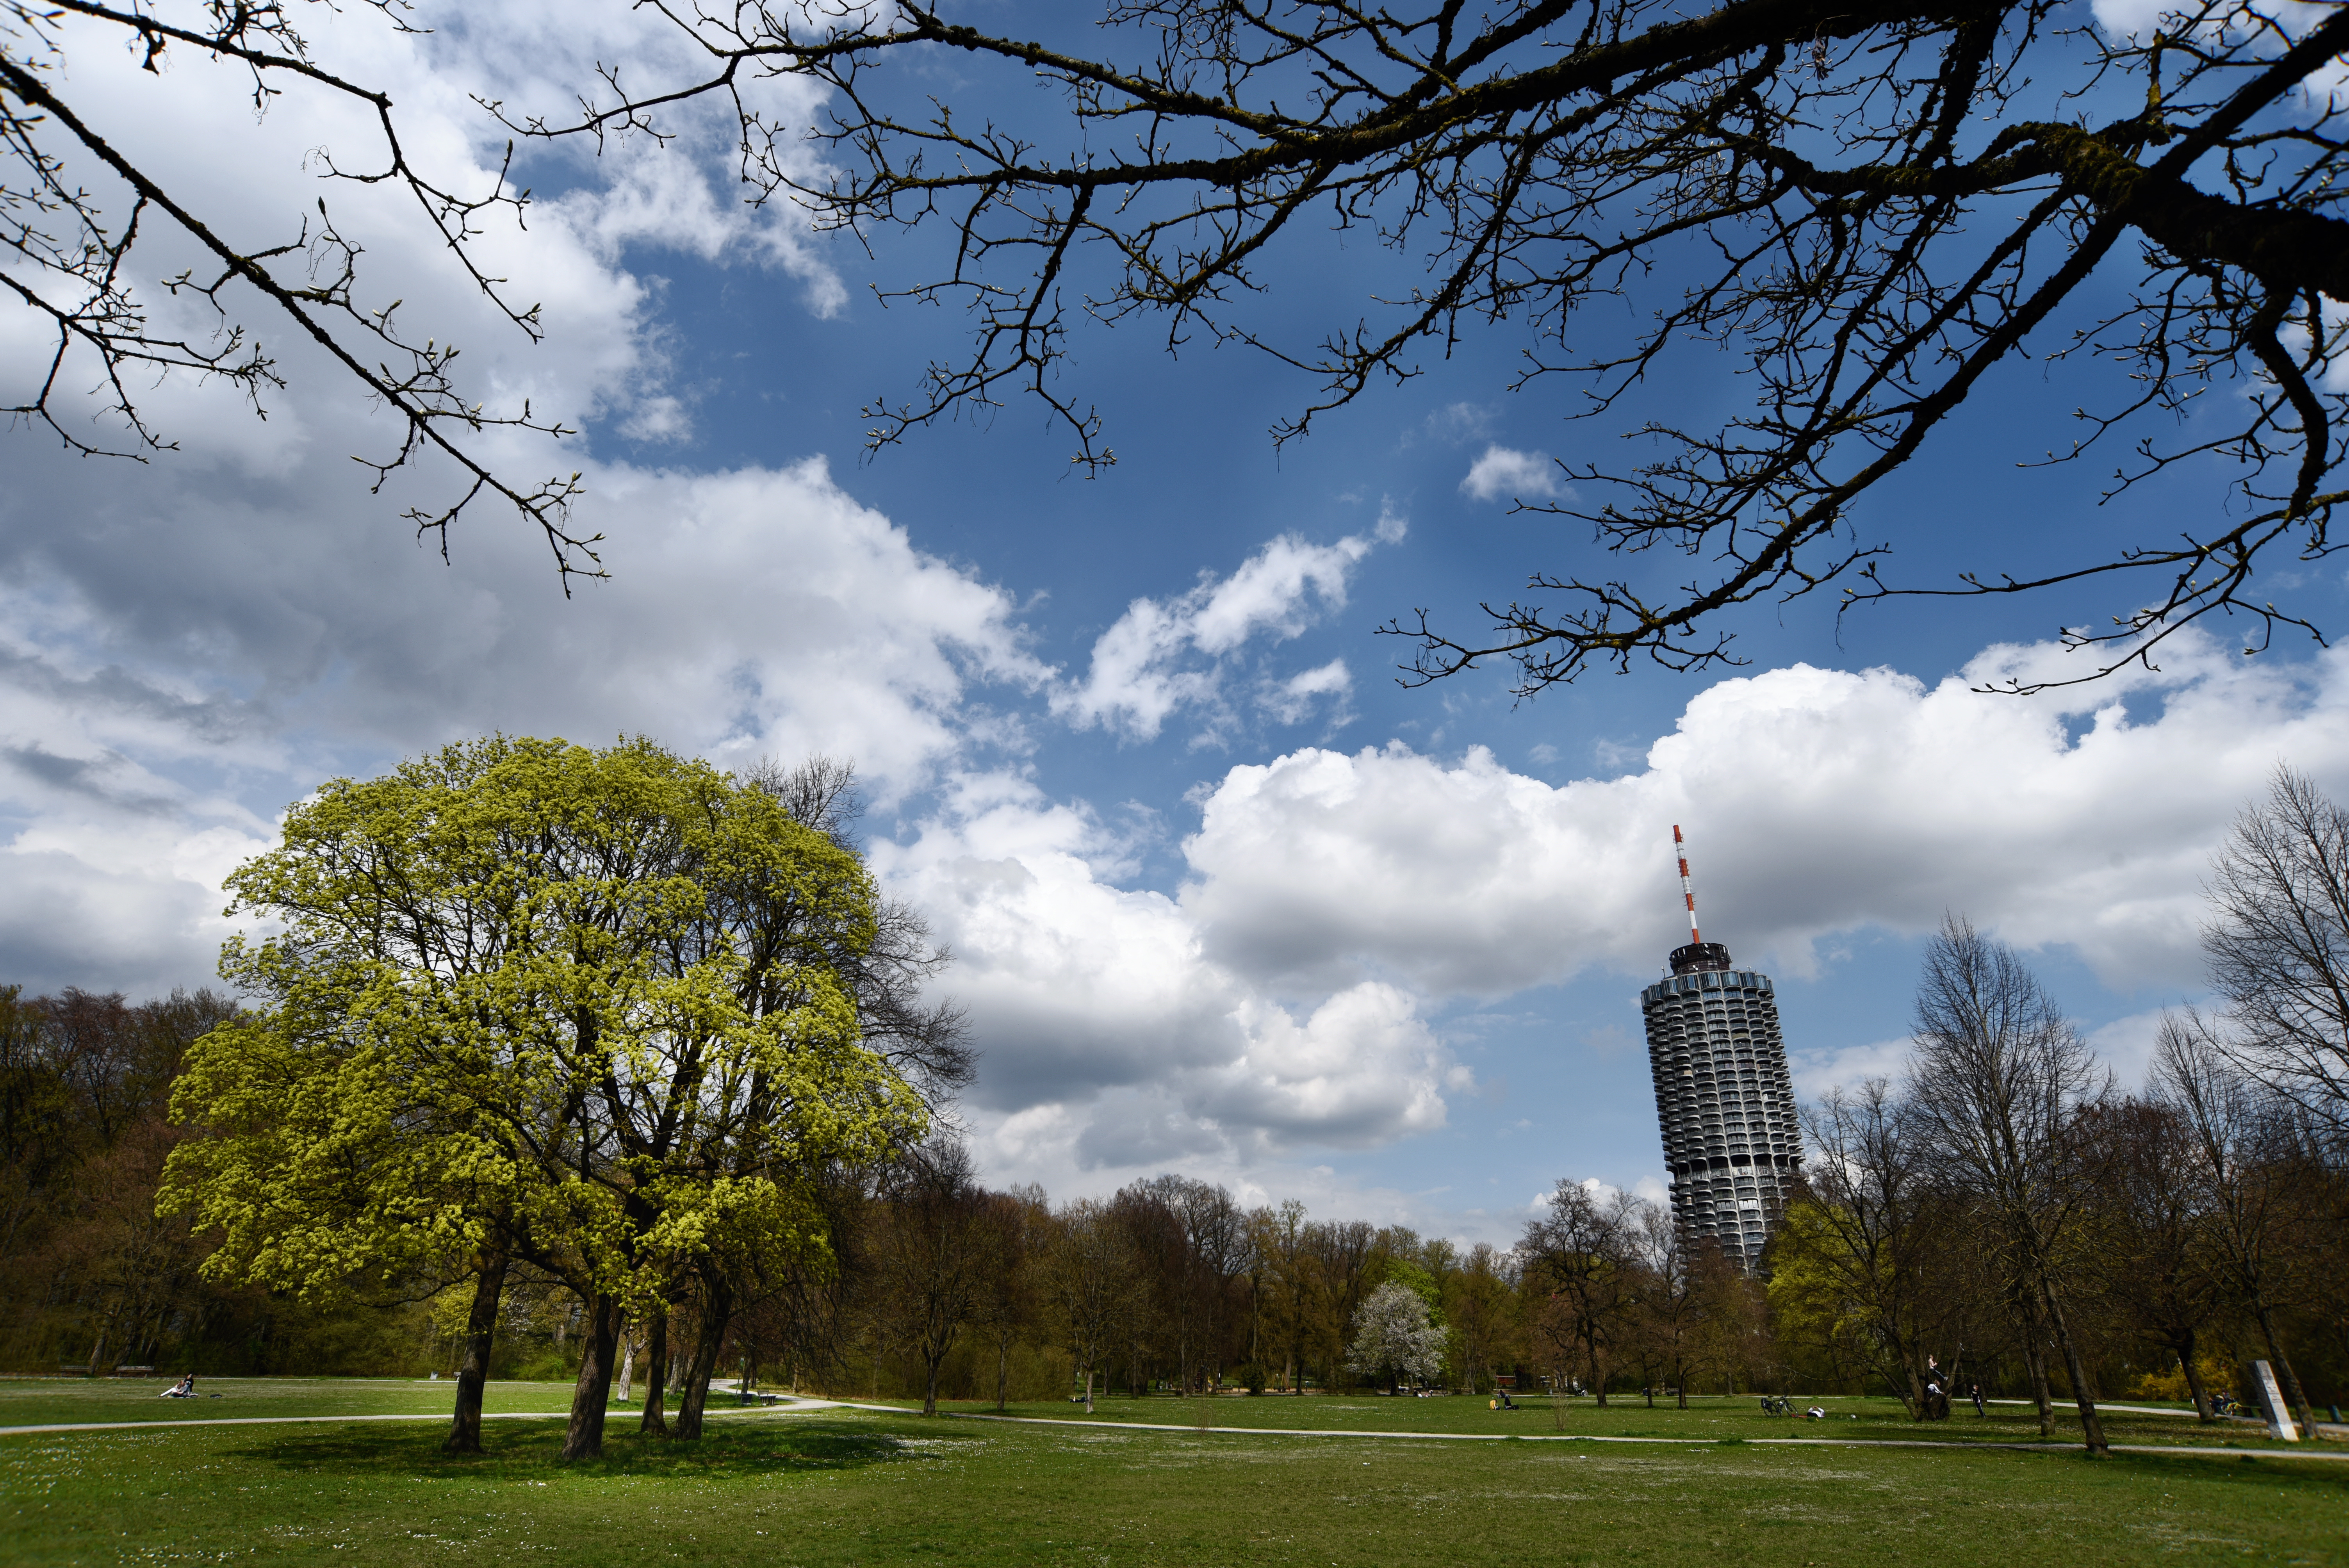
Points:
x=800, y=1403
x=1587, y=1438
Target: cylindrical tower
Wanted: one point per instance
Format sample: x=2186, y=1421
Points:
x=1722, y=1095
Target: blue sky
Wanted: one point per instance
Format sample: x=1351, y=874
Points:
x=1228, y=898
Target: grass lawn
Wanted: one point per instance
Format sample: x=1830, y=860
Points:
x=1706, y=1419
x=831, y=1487
x=40, y=1401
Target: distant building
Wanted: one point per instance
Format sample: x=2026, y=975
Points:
x=1723, y=1096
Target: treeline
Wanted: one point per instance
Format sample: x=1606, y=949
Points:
x=2149, y=1246
x=2195, y=1227
x=92, y=1279
x=605, y=1065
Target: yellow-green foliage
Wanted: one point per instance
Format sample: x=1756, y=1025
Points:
x=2171, y=1385
x=1813, y=1272
x=585, y=999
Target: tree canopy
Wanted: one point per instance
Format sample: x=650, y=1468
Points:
x=575, y=1006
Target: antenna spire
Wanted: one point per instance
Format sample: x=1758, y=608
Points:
x=1688, y=893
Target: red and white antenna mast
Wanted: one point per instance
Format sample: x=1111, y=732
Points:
x=1688, y=893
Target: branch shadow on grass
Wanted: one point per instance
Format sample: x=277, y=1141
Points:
x=513, y=1450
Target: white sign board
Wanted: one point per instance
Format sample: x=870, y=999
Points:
x=2272, y=1405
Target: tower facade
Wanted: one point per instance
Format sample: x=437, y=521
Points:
x=1723, y=1097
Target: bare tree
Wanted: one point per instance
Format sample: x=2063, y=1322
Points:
x=1581, y=1253
x=926, y=1038
x=76, y=209
x=1877, y=208
x=2148, y=1255
x=1088, y=1283
x=1994, y=1081
x=1861, y=1250
x=1017, y=1231
x=2251, y=1209
x=933, y=1250
x=1669, y=1309
x=2277, y=942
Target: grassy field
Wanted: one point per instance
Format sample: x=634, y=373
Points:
x=1706, y=1419
x=843, y=1487
x=851, y=1488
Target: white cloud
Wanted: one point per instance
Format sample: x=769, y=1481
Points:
x=1817, y=801
x=1162, y=657
x=1279, y=998
x=1088, y=995
x=1290, y=700
x=769, y=613
x=656, y=419
x=1504, y=472
x=1461, y=422
x=2126, y=1045
x=185, y=645
x=258, y=182
x=1817, y=1072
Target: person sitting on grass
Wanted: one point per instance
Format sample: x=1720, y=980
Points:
x=185, y=1388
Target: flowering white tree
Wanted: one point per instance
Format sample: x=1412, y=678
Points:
x=1393, y=1339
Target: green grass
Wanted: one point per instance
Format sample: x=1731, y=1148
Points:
x=1706, y=1420
x=39, y=1401
x=840, y=1488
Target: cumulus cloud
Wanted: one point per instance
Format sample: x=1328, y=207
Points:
x=1086, y=994
x=1163, y=655
x=1286, y=993
x=771, y=613
x=1503, y=471
x=1817, y=801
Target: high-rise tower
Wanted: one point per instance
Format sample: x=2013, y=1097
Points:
x=1723, y=1094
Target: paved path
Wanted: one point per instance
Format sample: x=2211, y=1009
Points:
x=271, y=1420
x=1578, y=1436
x=799, y=1403
x=2323, y=1428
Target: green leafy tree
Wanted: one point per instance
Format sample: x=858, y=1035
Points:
x=536, y=1001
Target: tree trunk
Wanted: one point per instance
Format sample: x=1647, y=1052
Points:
x=715, y=1314
x=474, y=1372
x=1089, y=1390
x=930, y=1386
x=2034, y=1357
x=656, y=1417
x=627, y=1366
x=601, y=1332
x=2092, y=1427
x=1002, y=1372
x=2294, y=1394
x=2185, y=1349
